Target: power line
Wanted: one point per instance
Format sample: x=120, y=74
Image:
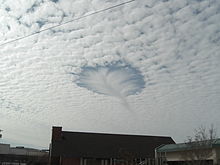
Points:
x=76, y=19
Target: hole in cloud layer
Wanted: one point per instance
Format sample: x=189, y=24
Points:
x=55, y=1
x=114, y=80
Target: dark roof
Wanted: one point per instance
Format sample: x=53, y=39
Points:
x=100, y=145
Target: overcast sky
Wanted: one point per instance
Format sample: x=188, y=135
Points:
x=149, y=67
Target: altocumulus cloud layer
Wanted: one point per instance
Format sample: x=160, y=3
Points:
x=173, y=46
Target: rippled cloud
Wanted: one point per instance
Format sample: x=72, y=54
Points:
x=155, y=57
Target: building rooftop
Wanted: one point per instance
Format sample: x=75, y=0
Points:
x=184, y=146
x=102, y=145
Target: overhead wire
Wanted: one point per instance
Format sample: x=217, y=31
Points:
x=64, y=23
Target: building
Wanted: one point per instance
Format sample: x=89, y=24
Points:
x=80, y=148
x=22, y=156
x=183, y=153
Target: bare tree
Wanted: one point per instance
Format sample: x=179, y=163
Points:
x=199, y=146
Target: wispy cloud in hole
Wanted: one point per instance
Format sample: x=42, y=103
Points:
x=112, y=80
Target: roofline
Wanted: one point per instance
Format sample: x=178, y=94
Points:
x=100, y=133
x=185, y=148
x=5, y=144
x=216, y=144
x=22, y=147
x=156, y=149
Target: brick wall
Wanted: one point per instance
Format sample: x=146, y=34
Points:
x=70, y=161
x=56, y=133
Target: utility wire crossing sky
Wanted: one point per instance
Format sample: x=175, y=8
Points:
x=64, y=23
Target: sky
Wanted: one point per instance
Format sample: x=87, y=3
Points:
x=148, y=67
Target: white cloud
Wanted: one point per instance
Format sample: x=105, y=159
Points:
x=175, y=45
